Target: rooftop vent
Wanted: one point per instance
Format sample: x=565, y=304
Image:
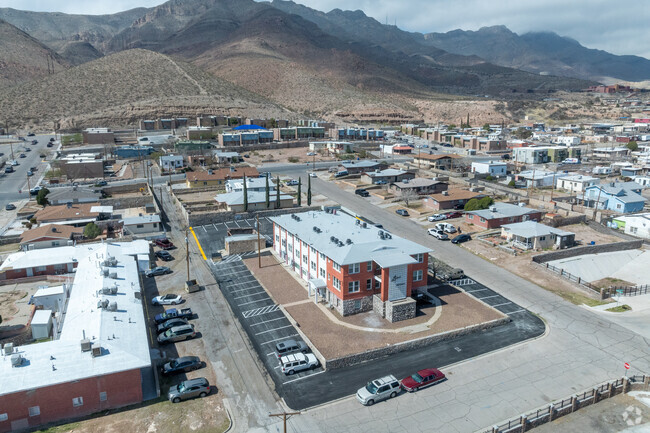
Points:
x=85, y=345
x=113, y=275
x=358, y=222
x=332, y=238
x=388, y=236
x=340, y=244
x=104, y=272
x=112, y=306
x=96, y=350
x=8, y=348
x=102, y=304
x=493, y=208
x=381, y=233
x=446, y=193
x=16, y=360
x=109, y=290
x=364, y=225
x=348, y=241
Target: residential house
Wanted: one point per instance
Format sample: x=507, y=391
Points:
x=234, y=201
x=536, y=178
x=499, y=214
x=75, y=214
x=531, y=235
x=491, y=168
x=440, y=162
x=576, y=183
x=623, y=197
x=199, y=179
x=352, y=265
x=644, y=181
x=98, y=136
x=386, y=176
x=141, y=224
x=82, y=166
x=252, y=184
x=227, y=157
x=170, y=162
x=395, y=149
x=75, y=194
x=610, y=152
x=450, y=199
x=366, y=165
x=636, y=225
x=420, y=186
x=49, y=236
x=530, y=155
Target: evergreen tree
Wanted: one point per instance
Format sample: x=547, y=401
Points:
x=277, y=193
x=309, y=191
x=299, y=191
x=268, y=194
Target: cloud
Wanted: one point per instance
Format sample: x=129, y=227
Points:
x=617, y=28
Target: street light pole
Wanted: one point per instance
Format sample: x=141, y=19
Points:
x=259, y=248
x=187, y=254
x=285, y=416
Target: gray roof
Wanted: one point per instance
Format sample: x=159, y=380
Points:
x=579, y=178
x=142, y=219
x=366, y=244
x=615, y=188
x=502, y=210
x=221, y=154
x=417, y=182
x=361, y=164
x=387, y=172
x=70, y=194
x=237, y=197
x=532, y=229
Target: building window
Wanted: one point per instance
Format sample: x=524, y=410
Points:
x=41, y=268
x=369, y=284
x=78, y=401
x=322, y=256
x=34, y=411
x=336, y=266
x=277, y=238
x=353, y=287
x=297, y=252
x=417, y=275
x=55, y=243
x=377, y=285
x=139, y=226
x=103, y=396
x=369, y=267
x=354, y=268
x=542, y=238
x=336, y=283
x=357, y=304
x=313, y=266
x=419, y=257
x=322, y=273
x=304, y=258
x=482, y=219
x=3, y=417
x=470, y=216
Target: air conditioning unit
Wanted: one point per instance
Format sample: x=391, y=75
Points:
x=85, y=345
x=113, y=275
x=104, y=272
x=8, y=348
x=96, y=350
x=16, y=360
x=112, y=306
x=102, y=304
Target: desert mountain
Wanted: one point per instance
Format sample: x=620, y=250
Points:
x=125, y=87
x=544, y=52
x=79, y=52
x=23, y=58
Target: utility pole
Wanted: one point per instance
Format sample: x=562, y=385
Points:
x=285, y=416
x=259, y=249
x=29, y=196
x=187, y=254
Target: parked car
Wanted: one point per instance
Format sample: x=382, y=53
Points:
x=362, y=192
x=158, y=270
x=422, y=379
x=31, y=134
x=311, y=153
x=164, y=255
x=438, y=234
x=313, y=174
x=505, y=156
x=177, y=333
x=182, y=364
x=292, y=182
x=35, y=190
x=378, y=390
x=50, y=144
x=33, y=168
x=27, y=149
x=14, y=163
x=168, y=324
x=30, y=173
x=101, y=183
x=172, y=313
x=246, y=155
x=296, y=362
x=402, y=212
x=341, y=173
x=461, y=238
x=380, y=182
x=164, y=243
x=22, y=155
x=51, y=139
x=10, y=206
x=454, y=214
x=446, y=227
x=453, y=274
x=9, y=169
x=199, y=387
x=437, y=217
x=168, y=299
x=287, y=347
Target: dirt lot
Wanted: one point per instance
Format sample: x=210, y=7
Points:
x=332, y=339
x=258, y=157
x=523, y=266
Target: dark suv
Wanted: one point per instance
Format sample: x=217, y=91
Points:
x=287, y=347
x=362, y=192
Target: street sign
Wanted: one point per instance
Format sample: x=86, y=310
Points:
x=619, y=291
x=627, y=366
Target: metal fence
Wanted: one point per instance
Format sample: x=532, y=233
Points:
x=631, y=291
x=570, y=277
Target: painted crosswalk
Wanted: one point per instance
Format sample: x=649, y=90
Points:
x=462, y=282
x=260, y=311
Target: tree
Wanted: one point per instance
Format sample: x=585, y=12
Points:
x=268, y=193
x=277, y=193
x=91, y=231
x=485, y=202
x=512, y=184
x=471, y=205
x=245, y=195
x=41, y=197
x=452, y=126
x=523, y=133
x=477, y=204
x=633, y=146
x=309, y=191
x=407, y=195
x=467, y=123
x=486, y=127
x=299, y=191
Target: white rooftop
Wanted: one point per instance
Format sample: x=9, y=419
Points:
x=366, y=244
x=102, y=209
x=41, y=317
x=47, y=291
x=40, y=257
x=122, y=334
x=141, y=219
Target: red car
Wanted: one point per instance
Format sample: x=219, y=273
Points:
x=454, y=215
x=164, y=243
x=422, y=379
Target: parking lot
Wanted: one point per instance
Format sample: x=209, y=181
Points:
x=261, y=318
x=490, y=297
x=211, y=236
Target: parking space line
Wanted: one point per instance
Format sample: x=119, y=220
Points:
x=198, y=244
x=269, y=354
x=304, y=377
x=500, y=305
x=488, y=297
x=204, y=229
x=250, y=294
x=252, y=302
x=270, y=320
x=243, y=290
x=478, y=290
x=281, y=338
x=249, y=224
x=275, y=329
x=518, y=311
x=259, y=311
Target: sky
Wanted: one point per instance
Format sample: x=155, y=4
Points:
x=620, y=28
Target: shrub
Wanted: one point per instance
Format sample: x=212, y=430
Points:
x=91, y=231
x=41, y=198
x=294, y=159
x=512, y=184
x=489, y=178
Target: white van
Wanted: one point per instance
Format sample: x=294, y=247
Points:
x=446, y=227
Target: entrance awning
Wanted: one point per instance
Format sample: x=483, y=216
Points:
x=388, y=260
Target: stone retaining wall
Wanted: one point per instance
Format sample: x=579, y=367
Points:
x=587, y=249
x=127, y=202
x=359, y=358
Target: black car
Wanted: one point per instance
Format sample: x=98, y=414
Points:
x=49, y=144
x=164, y=255
x=31, y=134
x=505, y=156
x=461, y=238
x=182, y=364
x=402, y=212
x=101, y=183
x=22, y=155
x=362, y=192
x=10, y=206
x=168, y=324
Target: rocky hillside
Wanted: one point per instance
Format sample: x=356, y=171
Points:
x=23, y=58
x=544, y=52
x=123, y=88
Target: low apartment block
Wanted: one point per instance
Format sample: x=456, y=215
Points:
x=351, y=265
x=499, y=214
x=298, y=133
x=368, y=134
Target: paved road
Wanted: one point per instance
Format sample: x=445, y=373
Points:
x=581, y=350
x=11, y=183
